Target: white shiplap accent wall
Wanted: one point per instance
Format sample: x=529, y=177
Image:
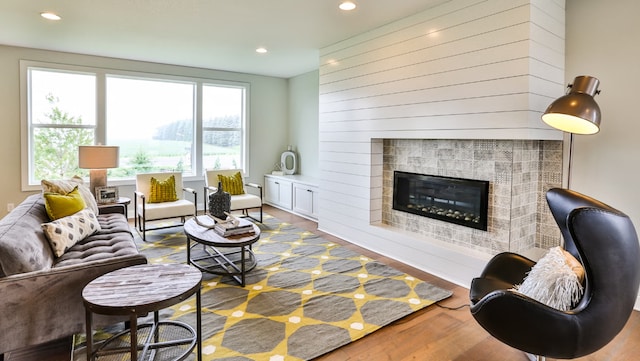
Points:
x=465, y=69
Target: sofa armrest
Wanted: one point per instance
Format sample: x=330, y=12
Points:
x=40, y=306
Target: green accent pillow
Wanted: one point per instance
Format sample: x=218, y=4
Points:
x=163, y=191
x=64, y=186
x=62, y=205
x=232, y=184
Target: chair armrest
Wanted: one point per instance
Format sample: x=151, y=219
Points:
x=256, y=186
x=195, y=199
x=139, y=194
x=508, y=267
x=526, y=324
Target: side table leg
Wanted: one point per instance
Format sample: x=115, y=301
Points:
x=188, y=250
x=89, y=341
x=156, y=322
x=133, y=319
x=242, y=266
x=199, y=324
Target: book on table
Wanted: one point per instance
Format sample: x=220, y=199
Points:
x=239, y=227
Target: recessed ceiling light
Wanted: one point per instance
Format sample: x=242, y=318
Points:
x=261, y=50
x=347, y=5
x=50, y=16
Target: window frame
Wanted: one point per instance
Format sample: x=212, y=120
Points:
x=26, y=140
x=244, y=123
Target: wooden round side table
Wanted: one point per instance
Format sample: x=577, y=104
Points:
x=138, y=290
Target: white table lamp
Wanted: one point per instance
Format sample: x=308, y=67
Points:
x=98, y=158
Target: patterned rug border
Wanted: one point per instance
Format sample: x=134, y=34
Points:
x=308, y=296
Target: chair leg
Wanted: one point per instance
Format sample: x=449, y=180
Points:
x=142, y=229
x=246, y=213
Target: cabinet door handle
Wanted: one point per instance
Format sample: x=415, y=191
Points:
x=277, y=183
x=309, y=190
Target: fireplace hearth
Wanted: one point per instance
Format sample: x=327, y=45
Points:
x=455, y=200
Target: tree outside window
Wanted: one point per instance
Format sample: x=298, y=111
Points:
x=62, y=117
x=56, y=145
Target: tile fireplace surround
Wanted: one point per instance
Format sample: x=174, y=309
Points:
x=519, y=172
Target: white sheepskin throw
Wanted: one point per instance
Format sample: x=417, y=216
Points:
x=552, y=281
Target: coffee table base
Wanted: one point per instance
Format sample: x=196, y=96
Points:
x=165, y=340
x=234, y=262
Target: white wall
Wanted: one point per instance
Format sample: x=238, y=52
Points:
x=601, y=42
x=268, y=112
x=303, y=121
x=466, y=69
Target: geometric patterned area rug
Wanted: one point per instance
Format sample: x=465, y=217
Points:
x=307, y=296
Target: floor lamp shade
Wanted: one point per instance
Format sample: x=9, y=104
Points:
x=576, y=112
x=98, y=158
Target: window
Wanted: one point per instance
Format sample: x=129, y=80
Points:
x=62, y=116
x=152, y=121
x=160, y=122
x=223, y=125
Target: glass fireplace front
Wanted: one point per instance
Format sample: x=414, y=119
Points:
x=455, y=200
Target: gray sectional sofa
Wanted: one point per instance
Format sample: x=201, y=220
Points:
x=40, y=294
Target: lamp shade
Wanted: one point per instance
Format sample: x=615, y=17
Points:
x=576, y=112
x=98, y=156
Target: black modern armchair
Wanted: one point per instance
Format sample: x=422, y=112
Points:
x=605, y=242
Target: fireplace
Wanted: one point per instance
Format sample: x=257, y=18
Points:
x=455, y=200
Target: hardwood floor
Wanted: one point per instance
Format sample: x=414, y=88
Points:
x=435, y=333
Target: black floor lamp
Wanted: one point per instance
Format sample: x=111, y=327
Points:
x=576, y=112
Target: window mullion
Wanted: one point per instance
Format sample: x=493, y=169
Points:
x=198, y=131
x=101, y=108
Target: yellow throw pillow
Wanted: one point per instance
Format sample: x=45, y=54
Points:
x=163, y=191
x=65, y=186
x=62, y=205
x=232, y=184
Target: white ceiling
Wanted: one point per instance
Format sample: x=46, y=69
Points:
x=213, y=34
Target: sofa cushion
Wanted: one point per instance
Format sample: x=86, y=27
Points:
x=23, y=245
x=64, y=232
x=114, y=239
x=63, y=205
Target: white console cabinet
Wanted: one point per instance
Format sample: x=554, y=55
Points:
x=305, y=200
x=294, y=193
x=278, y=192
